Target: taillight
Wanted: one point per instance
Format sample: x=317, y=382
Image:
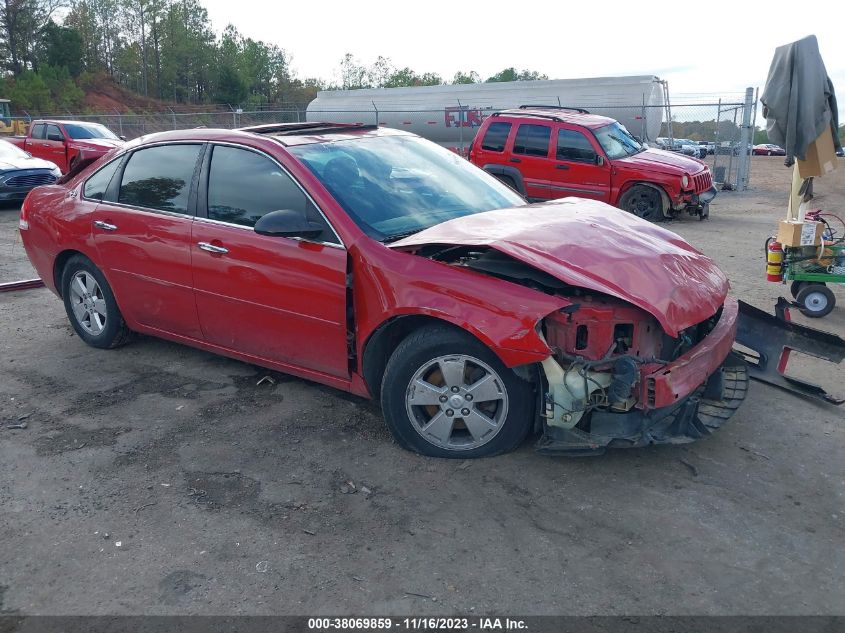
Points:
x=23, y=221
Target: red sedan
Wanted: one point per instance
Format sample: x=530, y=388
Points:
x=381, y=264
x=767, y=149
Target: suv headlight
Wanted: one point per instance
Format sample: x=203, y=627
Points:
x=685, y=181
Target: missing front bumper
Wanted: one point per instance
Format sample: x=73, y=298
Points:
x=690, y=419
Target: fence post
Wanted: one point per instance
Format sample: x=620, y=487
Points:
x=753, y=130
x=461, y=125
x=745, y=141
x=735, y=183
x=120, y=121
x=644, y=133
x=173, y=114
x=716, y=142
x=375, y=108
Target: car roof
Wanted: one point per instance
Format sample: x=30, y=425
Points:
x=287, y=134
x=574, y=116
x=303, y=133
x=65, y=122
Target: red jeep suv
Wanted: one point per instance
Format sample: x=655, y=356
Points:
x=547, y=152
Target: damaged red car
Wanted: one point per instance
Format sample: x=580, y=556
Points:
x=379, y=263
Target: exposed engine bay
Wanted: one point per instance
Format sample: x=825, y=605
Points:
x=605, y=353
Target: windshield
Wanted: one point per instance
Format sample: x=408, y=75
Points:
x=11, y=152
x=394, y=186
x=88, y=130
x=617, y=142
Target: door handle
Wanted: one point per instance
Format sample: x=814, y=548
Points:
x=561, y=166
x=515, y=160
x=211, y=248
x=105, y=225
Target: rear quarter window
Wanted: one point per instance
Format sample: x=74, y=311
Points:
x=495, y=137
x=97, y=185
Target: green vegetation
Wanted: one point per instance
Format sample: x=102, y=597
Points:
x=166, y=50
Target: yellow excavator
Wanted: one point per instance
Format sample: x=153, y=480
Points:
x=8, y=125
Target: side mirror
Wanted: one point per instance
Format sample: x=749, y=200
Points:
x=599, y=160
x=56, y=137
x=122, y=137
x=287, y=223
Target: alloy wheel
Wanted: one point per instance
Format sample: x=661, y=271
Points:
x=88, y=303
x=457, y=402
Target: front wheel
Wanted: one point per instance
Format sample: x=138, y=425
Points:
x=816, y=300
x=91, y=306
x=644, y=202
x=444, y=394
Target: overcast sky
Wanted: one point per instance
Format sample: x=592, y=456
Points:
x=707, y=47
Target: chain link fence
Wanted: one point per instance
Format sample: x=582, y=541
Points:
x=718, y=133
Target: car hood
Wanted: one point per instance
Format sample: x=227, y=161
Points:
x=100, y=144
x=666, y=162
x=592, y=245
x=25, y=163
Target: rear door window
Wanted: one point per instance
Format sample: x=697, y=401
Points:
x=160, y=177
x=495, y=137
x=38, y=130
x=532, y=140
x=574, y=146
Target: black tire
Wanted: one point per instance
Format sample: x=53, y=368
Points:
x=795, y=287
x=644, y=202
x=113, y=331
x=507, y=180
x=421, y=350
x=816, y=300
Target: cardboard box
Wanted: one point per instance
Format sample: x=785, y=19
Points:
x=821, y=157
x=796, y=234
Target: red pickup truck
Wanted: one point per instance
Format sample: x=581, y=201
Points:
x=64, y=142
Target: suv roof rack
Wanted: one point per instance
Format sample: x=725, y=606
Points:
x=553, y=107
x=550, y=117
x=289, y=129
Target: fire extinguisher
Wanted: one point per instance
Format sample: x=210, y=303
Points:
x=774, y=260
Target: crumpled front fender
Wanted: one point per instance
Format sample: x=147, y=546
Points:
x=503, y=315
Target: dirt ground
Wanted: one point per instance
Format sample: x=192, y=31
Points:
x=159, y=479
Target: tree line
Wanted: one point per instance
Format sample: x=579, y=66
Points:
x=167, y=50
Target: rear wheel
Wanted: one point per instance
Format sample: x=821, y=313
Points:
x=507, y=180
x=796, y=286
x=644, y=202
x=816, y=300
x=90, y=305
x=445, y=394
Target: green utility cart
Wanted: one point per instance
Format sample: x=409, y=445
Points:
x=811, y=269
